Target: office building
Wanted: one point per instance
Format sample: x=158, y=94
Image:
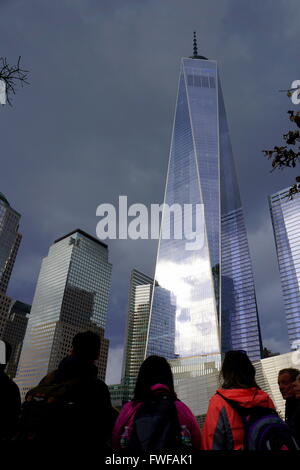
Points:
x=10, y=240
x=5, y=305
x=139, y=301
x=71, y=296
x=285, y=214
x=14, y=331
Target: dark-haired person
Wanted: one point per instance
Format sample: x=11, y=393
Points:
x=155, y=376
x=286, y=379
x=77, y=406
x=10, y=401
x=223, y=427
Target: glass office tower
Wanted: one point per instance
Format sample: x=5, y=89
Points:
x=71, y=295
x=285, y=214
x=139, y=302
x=10, y=240
x=205, y=286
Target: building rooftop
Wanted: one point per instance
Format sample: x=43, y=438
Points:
x=85, y=234
x=21, y=307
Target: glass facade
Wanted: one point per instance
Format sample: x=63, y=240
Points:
x=10, y=240
x=285, y=214
x=71, y=295
x=139, y=300
x=203, y=298
x=239, y=321
x=14, y=331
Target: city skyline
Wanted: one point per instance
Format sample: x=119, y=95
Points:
x=66, y=163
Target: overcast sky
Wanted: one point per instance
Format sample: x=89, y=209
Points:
x=96, y=120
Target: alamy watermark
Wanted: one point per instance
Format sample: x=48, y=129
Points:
x=295, y=95
x=175, y=222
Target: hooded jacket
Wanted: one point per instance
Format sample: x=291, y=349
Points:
x=223, y=427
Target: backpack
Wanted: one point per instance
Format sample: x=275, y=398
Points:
x=264, y=429
x=156, y=426
x=49, y=411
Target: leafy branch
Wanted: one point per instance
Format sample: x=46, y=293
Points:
x=285, y=156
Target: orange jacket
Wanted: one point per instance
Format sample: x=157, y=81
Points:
x=223, y=427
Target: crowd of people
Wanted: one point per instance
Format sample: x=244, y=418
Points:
x=72, y=404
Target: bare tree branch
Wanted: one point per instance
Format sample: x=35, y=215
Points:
x=11, y=75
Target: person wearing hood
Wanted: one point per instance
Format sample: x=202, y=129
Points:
x=223, y=428
x=71, y=403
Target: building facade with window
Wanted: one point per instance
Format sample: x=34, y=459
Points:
x=10, y=240
x=285, y=214
x=71, y=295
x=139, y=301
x=14, y=331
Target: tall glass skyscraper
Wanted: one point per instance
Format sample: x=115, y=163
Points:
x=10, y=240
x=204, y=299
x=285, y=214
x=71, y=295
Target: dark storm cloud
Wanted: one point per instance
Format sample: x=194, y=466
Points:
x=96, y=121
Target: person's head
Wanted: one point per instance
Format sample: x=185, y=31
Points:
x=237, y=370
x=86, y=346
x=8, y=353
x=154, y=370
x=297, y=387
x=286, y=379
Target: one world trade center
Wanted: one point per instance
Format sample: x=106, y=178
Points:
x=204, y=299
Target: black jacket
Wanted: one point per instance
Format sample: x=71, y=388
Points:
x=291, y=406
x=90, y=416
x=294, y=422
x=10, y=406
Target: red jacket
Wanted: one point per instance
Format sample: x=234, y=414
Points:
x=185, y=416
x=223, y=427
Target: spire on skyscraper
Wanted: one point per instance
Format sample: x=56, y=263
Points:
x=195, y=44
x=195, y=49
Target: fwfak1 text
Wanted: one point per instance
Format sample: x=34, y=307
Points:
x=151, y=459
x=170, y=459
